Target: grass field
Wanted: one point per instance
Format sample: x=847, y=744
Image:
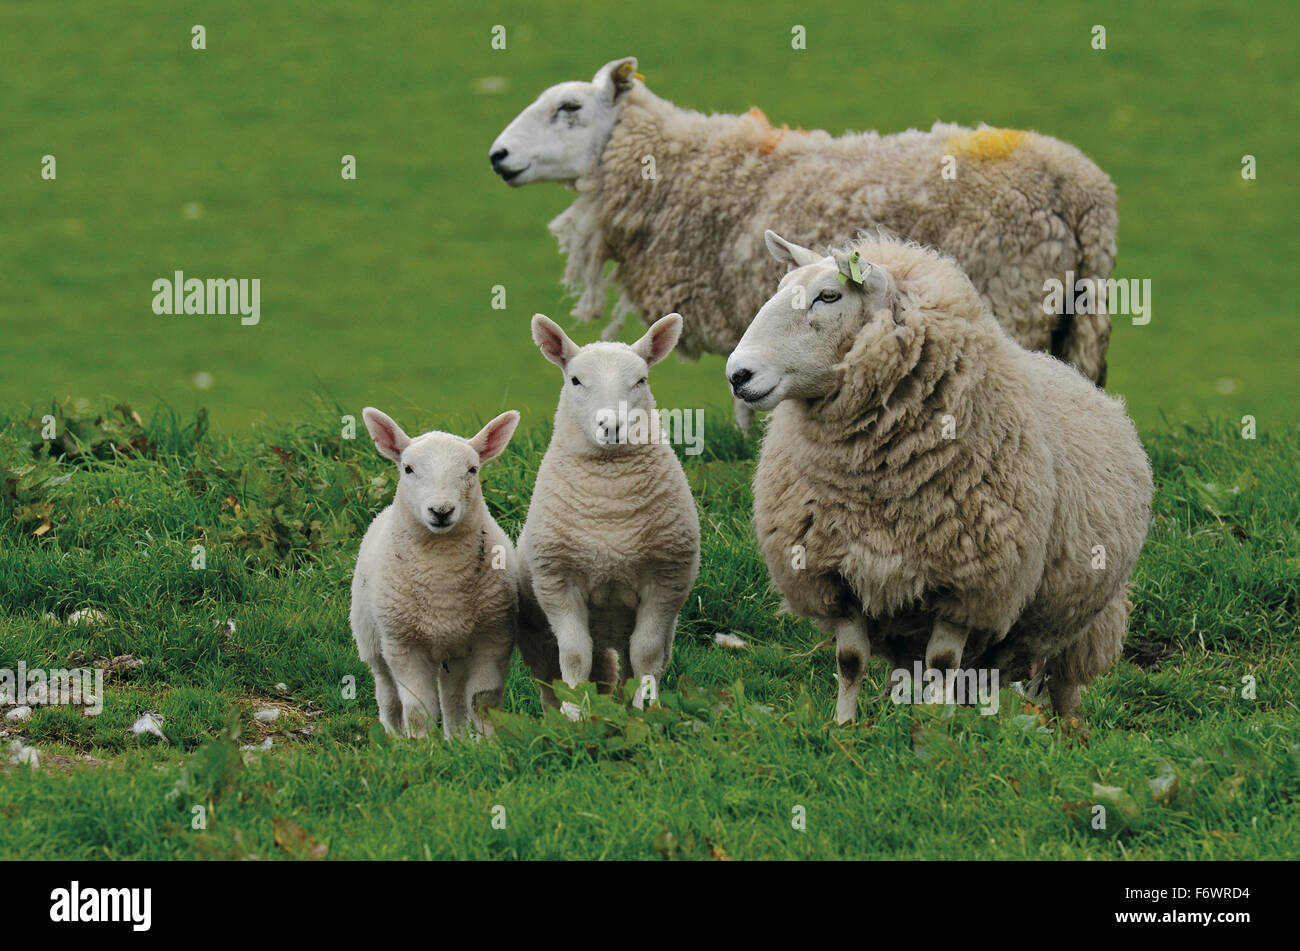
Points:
x=1188, y=764
x=378, y=290
x=226, y=162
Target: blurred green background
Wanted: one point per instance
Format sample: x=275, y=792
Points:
x=226, y=163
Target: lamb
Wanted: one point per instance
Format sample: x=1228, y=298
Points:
x=434, y=594
x=679, y=199
x=928, y=489
x=611, y=546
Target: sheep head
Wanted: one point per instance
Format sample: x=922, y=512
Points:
x=438, y=483
x=561, y=135
x=796, y=342
x=605, y=383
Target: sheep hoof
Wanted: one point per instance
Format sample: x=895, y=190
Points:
x=845, y=711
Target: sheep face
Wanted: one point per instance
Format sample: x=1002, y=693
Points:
x=797, y=339
x=560, y=137
x=606, y=383
x=438, y=484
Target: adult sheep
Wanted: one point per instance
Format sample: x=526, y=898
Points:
x=679, y=200
x=926, y=488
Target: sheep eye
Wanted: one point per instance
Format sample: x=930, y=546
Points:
x=408, y=470
x=575, y=381
x=828, y=297
x=641, y=382
x=473, y=470
x=570, y=106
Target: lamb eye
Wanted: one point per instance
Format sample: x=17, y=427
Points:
x=829, y=297
x=408, y=470
x=473, y=470
x=641, y=382
x=569, y=107
x=575, y=381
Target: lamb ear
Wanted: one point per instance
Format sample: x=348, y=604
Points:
x=492, y=438
x=388, y=436
x=616, y=77
x=660, y=339
x=553, y=341
x=789, y=253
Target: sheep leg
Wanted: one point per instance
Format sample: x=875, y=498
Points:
x=390, y=704
x=417, y=686
x=943, y=652
x=485, y=681
x=744, y=414
x=852, y=651
x=451, y=695
x=569, y=619
x=367, y=638
x=651, y=643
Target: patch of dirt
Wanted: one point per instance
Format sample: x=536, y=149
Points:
x=1149, y=653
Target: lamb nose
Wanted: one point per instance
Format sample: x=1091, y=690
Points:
x=498, y=156
x=740, y=378
x=443, y=513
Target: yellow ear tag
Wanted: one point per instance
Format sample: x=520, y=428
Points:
x=638, y=76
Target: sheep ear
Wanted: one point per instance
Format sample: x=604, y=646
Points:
x=660, y=339
x=876, y=283
x=616, y=77
x=388, y=436
x=492, y=438
x=553, y=341
x=789, y=253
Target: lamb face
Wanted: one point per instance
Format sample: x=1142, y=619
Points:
x=560, y=137
x=438, y=473
x=793, y=345
x=606, y=384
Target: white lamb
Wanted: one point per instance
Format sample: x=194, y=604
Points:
x=680, y=200
x=434, y=595
x=611, y=546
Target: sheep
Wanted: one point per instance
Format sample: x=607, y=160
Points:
x=928, y=489
x=434, y=594
x=611, y=545
x=678, y=199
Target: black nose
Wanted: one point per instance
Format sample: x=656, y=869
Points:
x=740, y=378
x=498, y=156
x=441, y=515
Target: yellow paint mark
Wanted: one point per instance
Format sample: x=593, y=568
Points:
x=990, y=144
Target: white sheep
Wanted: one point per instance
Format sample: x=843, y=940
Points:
x=434, y=594
x=611, y=545
x=679, y=200
x=928, y=489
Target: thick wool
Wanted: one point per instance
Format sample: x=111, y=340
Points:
x=1000, y=528
x=1023, y=208
x=611, y=523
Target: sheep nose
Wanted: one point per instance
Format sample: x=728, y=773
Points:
x=740, y=378
x=498, y=157
x=442, y=514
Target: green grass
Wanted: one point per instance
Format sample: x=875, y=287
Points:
x=741, y=739
x=378, y=290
